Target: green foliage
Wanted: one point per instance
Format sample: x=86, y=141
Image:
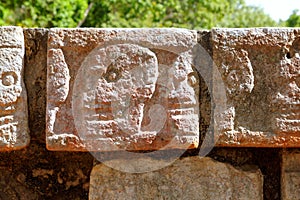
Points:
x=193, y=14
x=160, y=13
x=42, y=13
x=294, y=19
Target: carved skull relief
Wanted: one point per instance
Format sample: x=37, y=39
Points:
x=260, y=69
x=287, y=99
x=121, y=89
x=13, y=102
x=136, y=98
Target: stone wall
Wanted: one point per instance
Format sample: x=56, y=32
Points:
x=149, y=113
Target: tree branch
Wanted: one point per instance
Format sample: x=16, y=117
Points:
x=86, y=12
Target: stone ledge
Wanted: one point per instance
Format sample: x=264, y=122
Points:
x=258, y=105
x=206, y=179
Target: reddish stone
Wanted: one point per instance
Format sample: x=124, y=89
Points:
x=259, y=71
x=13, y=99
x=121, y=89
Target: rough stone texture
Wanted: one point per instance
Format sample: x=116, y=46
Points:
x=13, y=187
x=187, y=178
x=13, y=98
x=34, y=172
x=260, y=71
x=116, y=89
x=290, y=175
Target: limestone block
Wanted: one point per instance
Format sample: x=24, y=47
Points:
x=290, y=175
x=187, y=178
x=14, y=132
x=259, y=71
x=121, y=89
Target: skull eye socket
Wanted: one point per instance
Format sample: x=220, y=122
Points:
x=113, y=74
x=193, y=79
x=9, y=78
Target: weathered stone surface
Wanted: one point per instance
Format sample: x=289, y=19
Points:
x=12, y=186
x=187, y=178
x=121, y=89
x=13, y=99
x=290, y=175
x=34, y=172
x=260, y=71
x=35, y=80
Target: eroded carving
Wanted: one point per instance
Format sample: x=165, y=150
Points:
x=122, y=89
x=238, y=79
x=58, y=85
x=58, y=76
x=136, y=98
x=13, y=101
x=286, y=101
x=123, y=93
x=260, y=72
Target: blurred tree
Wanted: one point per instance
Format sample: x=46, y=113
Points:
x=247, y=16
x=193, y=14
x=294, y=19
x=42, y=13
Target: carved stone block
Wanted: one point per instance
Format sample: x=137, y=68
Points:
x=14, y=132
x=259, y=71
x=121, y=89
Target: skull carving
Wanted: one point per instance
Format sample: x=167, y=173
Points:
x=137, y=99
x=287, y=99
x=124, y=82
x=13, y=108
x=121, y=89
x=10, y=91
